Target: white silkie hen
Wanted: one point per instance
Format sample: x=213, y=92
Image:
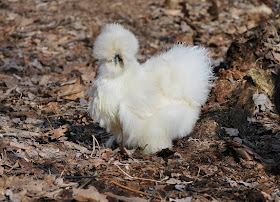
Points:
x=147, y=105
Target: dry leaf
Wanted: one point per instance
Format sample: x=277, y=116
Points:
x=26, y=21
x=72, y=92
x=97, y=162
x=46, y=79
x=231, y=131
x=106, y=153
x=59, y=132
x=21, y=133
x=174, y=181
x=276, y=56
x=123, y=198
x=1, y=170
x=60, y=183
x=10, y=82
x=91, y=194
x=243, y=153
x=72, y=145
x=33, y=121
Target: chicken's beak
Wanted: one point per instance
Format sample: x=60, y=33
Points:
x=117, y=59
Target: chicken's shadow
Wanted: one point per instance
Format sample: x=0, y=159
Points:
x=78, y=131
x=259, y=139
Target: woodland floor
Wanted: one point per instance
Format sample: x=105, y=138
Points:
x=47, y=146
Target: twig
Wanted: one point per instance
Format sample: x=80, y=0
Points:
x=86, y=183
x=94, y=140
x=50, y=123
x=198, y=172
x=62, y=173
x=76, y=177
x=14, y=166
x=134, y=190
x=93, y=146
x=83, y=39
x=124, y=171
x=138, y=178
x=197, y=175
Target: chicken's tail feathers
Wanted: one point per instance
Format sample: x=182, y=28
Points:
x=190, y=66
x=202, y=67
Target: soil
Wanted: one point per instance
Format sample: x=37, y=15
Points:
x=51, y=150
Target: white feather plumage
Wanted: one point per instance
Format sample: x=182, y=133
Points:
x=150, y=104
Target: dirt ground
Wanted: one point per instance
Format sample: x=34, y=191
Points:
x=51, y=150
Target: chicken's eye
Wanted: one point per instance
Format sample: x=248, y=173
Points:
x=117, y=59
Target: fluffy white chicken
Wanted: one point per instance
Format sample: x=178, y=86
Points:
x=147, y=105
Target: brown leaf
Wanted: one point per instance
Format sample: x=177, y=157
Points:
x=276, y=56
x=243, y=153
x=106, y=154
x=51, y=106
x=46, y=60
x=48, y=79
x=75, y=96
x=72, y=92
x=23, y=114
x=10, y=82
x=97, y=162
x=88, y=75
x=91, y=194
x=123, y=198
x=34, y=186
x=223, y=90
x=22, y=133
x=1, y=170
x=59, y=132
x=73, y=145
x=26, y=21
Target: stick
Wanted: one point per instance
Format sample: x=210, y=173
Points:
x=94, y=140
x=93, y=146
x=50, y=123
x=14, y=166
x=134, y=190
x=151, y=180
x=138, y=178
